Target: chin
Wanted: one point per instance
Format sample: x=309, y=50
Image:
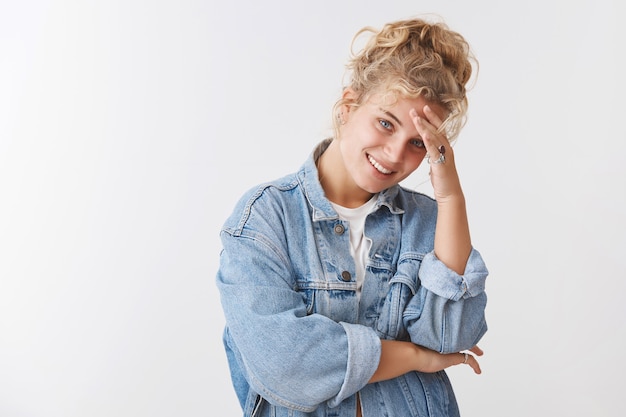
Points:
x=373, y=190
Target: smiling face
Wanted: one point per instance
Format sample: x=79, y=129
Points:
x=379, y=146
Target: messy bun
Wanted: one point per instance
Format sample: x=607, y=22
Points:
x=411, y=58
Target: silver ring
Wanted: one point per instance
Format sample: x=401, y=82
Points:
x=440, y=160
x=465, y=357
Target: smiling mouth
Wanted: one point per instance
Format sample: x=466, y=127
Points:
x=378, y=166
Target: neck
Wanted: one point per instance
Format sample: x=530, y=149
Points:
x=337, y=183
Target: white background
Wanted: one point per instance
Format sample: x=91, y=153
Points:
x=128, y=129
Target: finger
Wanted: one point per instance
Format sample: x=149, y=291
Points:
x=432, y=117
x=428, y=133
x=477, y=351
x=424, y=128
x=436, y=123
x=471, y=361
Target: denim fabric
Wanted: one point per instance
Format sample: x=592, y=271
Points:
x=297, y=340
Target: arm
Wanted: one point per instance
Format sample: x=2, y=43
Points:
x=452, y=236
x=289, y=356
x=447, y=312
x=398, y=358
x=432, y=305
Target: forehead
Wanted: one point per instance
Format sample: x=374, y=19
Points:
x=390, y=102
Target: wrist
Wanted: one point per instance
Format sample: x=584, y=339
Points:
x=455, y=200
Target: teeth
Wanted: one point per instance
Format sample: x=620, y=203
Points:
x=378, y=166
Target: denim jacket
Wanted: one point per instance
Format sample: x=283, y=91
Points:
x=298, y=340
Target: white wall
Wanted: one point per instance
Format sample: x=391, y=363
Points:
x=129, y=128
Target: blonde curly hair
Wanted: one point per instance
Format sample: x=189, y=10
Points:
x=411, y=58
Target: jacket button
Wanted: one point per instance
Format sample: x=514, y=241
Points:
x=345, y=275
x=339, y=229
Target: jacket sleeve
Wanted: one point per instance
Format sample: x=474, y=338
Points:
x=447, y=312
x=291, y=358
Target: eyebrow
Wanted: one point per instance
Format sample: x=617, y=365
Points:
x=391, y=115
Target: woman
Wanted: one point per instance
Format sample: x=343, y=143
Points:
x=344, y=293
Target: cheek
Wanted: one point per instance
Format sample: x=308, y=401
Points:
x=416, y=160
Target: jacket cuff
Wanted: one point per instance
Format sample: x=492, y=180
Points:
x=364, y=348
x=441, y=280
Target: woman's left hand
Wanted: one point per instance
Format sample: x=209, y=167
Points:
x=439, y=154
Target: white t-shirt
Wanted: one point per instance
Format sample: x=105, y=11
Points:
x=359, y=243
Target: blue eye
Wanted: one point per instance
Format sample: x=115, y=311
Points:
x=418, y=142
x=385, y=124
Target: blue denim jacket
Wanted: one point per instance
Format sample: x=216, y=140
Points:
x=298, y=341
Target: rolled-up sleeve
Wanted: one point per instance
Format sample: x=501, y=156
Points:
x=362, y=343
x=441, y=280
x=447, y=313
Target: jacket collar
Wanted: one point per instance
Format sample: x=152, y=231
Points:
x=308, y=177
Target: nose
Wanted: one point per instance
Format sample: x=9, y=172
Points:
x=394, y=149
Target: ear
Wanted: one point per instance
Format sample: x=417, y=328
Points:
x=348, y=94
x=348, y=98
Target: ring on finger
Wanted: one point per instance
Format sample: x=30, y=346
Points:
x=465, y=357
x=440, y=160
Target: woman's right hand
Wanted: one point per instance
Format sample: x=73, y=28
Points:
x=397, y=358
x=430, y=361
